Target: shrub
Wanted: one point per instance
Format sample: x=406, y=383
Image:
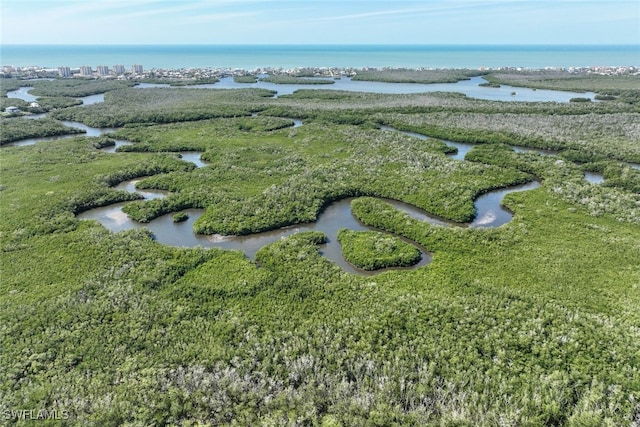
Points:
x=180, y=217
x=373, y=250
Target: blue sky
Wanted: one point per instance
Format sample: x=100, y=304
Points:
x=320, y=22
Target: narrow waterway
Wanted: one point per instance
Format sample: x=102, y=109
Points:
x=118, y=143
x=461, y=147
x=88, y=131
x=464, y=148
x=23, y=93
x=335, y=216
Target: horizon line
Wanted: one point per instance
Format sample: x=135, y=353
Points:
x=323, y=44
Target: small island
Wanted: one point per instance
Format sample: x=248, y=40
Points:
x=373, y=250
x=180, y=217
x=295, y=80
x=245, y=79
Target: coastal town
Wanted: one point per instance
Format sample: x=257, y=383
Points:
x=138, y=72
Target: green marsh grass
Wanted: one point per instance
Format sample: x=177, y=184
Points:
x=532, y=323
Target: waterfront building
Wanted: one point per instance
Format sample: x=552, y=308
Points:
x=118, y=70
x=64, y=71
x=103, y=70
x=136, y=69
x=86, y=70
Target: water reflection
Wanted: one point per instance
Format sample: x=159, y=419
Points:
x=193, y=157
x=337, y=215
x=489, y=209
x=22, y=93
x=89, y=131
x=148, y=194
x=118, y=143
x=92, y=99
x=594, y=177
x=31, y=141
x=470, y=88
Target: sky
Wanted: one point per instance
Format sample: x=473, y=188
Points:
x=462, y=22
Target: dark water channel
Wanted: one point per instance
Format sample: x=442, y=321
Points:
x=335, y=216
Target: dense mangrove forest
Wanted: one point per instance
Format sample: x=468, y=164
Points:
x=534, y=322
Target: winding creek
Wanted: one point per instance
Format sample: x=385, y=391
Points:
x=336, y=215
x=463, y=148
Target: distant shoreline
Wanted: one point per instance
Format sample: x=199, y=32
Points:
x=205, y=75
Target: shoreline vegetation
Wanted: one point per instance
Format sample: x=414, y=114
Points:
x=372, y=250
x=534, y=322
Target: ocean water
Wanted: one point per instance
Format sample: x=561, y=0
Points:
x=344, y=56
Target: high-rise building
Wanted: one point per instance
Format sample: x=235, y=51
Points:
x=136, y=69
x=86, y=70
x=103, y=70
x=64, y=71
x=118, y=70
